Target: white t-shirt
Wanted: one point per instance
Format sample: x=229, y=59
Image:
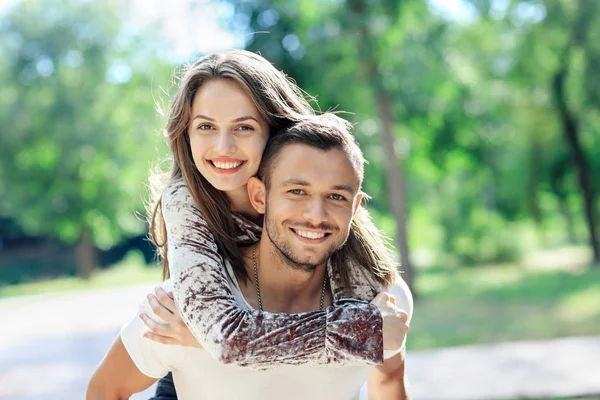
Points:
x=198, y=376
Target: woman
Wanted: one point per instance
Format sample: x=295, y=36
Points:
x=226, y=107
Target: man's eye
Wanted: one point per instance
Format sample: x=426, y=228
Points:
x=337, y=197
x=297, y=191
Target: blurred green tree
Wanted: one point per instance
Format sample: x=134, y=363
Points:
x=550, y=68
x=581, y=35
x=79, y=124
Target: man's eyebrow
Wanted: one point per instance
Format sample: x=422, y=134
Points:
x=294, y=181
x=344, y=188
x=244, y=118
x=300, y=182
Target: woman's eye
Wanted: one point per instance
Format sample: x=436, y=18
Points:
x=245, y=128
x=297, y=191
x=204, y=127
x=337, y=197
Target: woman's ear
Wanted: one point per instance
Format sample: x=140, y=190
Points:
x=357, y=201
x=258, y=194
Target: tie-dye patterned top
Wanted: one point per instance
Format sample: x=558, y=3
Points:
x=347, y=333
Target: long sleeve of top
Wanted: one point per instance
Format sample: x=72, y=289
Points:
x=348, y=333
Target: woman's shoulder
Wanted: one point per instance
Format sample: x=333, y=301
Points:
x=176, y=189
x=178, y=205
x=177, y=202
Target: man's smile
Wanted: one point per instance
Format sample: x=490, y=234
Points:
x=309, y=236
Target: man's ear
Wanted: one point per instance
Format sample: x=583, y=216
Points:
x=258, y=194
x=357, y=201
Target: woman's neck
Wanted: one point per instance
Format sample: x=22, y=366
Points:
x=240, y=203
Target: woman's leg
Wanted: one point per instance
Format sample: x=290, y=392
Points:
x=165, y=389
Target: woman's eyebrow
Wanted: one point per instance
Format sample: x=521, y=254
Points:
x=239, y=119
x=201, y=116
x=245, y=118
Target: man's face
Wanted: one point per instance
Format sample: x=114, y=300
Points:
x=310, y=204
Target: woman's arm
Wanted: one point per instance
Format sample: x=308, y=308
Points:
x=346, y=334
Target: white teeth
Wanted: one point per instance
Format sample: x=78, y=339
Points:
x=311, y=235
x=227, y=165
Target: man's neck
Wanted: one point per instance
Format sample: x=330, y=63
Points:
x=283, y=288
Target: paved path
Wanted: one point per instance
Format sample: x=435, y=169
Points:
x=53, y=343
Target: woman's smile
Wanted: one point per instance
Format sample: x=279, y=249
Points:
x=226, y=166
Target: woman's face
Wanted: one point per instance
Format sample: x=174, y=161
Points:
x=227, y=134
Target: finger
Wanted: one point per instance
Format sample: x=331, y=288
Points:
x=155, y=327
x=170, y=294
x=403, y=316
x=165, y=300
x=160, y=311
x=392, y=300
x=159, y=338
x=382, y=297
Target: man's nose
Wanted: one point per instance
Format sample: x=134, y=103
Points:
x=225, y=143
x=316, y=211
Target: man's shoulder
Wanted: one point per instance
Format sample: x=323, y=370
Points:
x=151, y=358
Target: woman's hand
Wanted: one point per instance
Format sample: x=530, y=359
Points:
x=395, y=324
x=174, y=331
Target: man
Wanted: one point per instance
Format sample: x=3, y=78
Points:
x=308, y=209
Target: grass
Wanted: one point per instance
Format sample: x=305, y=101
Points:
x=132, y=270
x=495, y=304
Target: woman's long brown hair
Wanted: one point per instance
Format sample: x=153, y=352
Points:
x=279, y=101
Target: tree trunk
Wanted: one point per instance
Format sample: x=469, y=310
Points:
x=570, y=124
x=533, y=178
x=570, y=129
x=395, y=184
x=557, y=183
x=394, y=171
x=86, y=255
x=565, y=212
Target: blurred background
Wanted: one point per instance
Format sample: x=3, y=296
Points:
x=480, y=120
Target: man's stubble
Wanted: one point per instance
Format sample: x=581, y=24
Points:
x=284, y=251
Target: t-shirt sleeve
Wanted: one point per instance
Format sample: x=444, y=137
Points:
x=404, y=301
x=347, y=334
x=151, y=358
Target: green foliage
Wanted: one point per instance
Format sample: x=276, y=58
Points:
x=476, y=124
x=79, y=124
x=487, y=238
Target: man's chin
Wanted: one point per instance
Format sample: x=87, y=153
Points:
x=308, y=264
x=308, y=267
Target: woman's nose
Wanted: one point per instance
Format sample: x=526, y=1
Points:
x=225, y=143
